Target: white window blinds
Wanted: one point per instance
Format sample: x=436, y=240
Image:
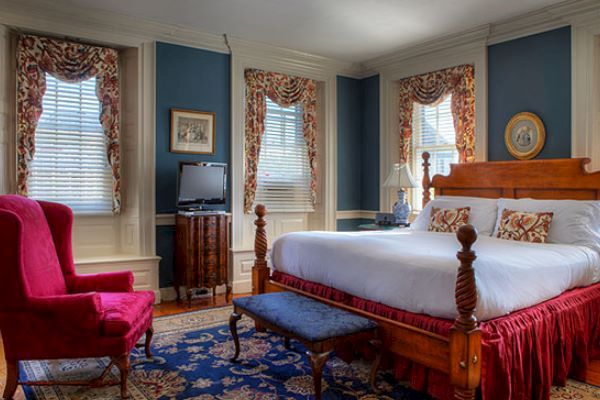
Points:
x=433, y=131
x=70, y=162
x=283, y=176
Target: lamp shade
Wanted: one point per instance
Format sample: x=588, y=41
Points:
x=400, y=177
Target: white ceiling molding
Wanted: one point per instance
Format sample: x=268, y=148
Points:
x=57, y=16
x=472, y=38
x=286, y=58
x=571, y=12
x=578, y=12
x=52, y=17
x=525, y=25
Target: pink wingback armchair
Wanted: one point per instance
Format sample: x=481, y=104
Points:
x=47, y=311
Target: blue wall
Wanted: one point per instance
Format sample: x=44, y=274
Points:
x=370, y=143
x=191, y=79
x=531, y=74
x=358, y=147
x=349, y=151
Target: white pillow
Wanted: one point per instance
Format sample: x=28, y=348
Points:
x=574, y=221
x=482, y=216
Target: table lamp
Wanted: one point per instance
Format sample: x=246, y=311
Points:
x=401, y=178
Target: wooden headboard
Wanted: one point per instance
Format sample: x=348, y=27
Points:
x=561, y=179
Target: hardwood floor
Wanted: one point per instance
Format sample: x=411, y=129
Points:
x=165, y=308
x=171, y=307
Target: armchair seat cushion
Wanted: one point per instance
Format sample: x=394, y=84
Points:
x=122, y=310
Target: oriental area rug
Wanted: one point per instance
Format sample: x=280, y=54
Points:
x=191, y=353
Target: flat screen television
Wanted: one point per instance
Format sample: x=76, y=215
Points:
x=201, y=183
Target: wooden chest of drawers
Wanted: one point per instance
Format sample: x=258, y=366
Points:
x=201, y=253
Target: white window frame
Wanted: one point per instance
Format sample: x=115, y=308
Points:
x=295, y=197
x=71, y=141
x=416, y=162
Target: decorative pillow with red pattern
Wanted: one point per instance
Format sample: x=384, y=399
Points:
x=448, y=219
x=524, y=226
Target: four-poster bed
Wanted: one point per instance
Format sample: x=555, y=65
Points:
x=456, y=349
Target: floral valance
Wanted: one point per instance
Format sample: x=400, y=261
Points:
x=285, y=90
x=70, y=62
x=431, y=89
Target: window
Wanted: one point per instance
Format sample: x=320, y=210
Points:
x=433, y=131
x=70, y=162
x=283, y=176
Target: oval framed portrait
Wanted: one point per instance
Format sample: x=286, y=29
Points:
x=525, y=135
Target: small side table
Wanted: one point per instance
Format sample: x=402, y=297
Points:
x=375, y=227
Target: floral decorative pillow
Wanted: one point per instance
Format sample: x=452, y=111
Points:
x=448, y=219
x=524, y=226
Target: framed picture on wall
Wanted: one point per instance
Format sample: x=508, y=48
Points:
x=525, y=135
x=192, y=132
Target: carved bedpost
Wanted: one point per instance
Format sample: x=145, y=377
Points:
x=466, y=289
x=426, y=179
x=260, y=271
x=465, y=337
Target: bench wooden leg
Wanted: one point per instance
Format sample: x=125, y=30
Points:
x=317, y=362
x=233, y=319
x=258, y=327
x=376, y=343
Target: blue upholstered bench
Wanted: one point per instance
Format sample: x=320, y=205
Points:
x=315, y=324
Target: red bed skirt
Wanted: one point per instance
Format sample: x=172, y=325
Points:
x=523, y=353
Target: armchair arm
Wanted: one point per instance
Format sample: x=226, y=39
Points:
x=121, y=281
x=80, y=311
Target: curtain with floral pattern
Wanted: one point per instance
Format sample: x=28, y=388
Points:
x=431, y=89
x=285, y=90
x=70, y=62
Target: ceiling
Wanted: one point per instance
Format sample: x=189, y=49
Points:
x=349, y=30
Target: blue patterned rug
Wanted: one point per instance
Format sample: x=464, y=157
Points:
x=191, y=353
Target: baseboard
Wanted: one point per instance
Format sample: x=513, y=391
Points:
x=168, y=293
x=242, y=286
x=355, y=214
x=157, y=297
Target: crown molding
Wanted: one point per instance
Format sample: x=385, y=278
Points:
x=472, y=38
x=572, y=12
x=579, y=13
x=525, y=25
x=294, y=59
x=56, y=16
x=59, y=17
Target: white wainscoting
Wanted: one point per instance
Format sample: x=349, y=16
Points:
x=242, y=259
x=144, y=269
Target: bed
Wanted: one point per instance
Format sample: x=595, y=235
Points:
x=512, y=340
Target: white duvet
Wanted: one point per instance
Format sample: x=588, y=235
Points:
x=416, y=271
